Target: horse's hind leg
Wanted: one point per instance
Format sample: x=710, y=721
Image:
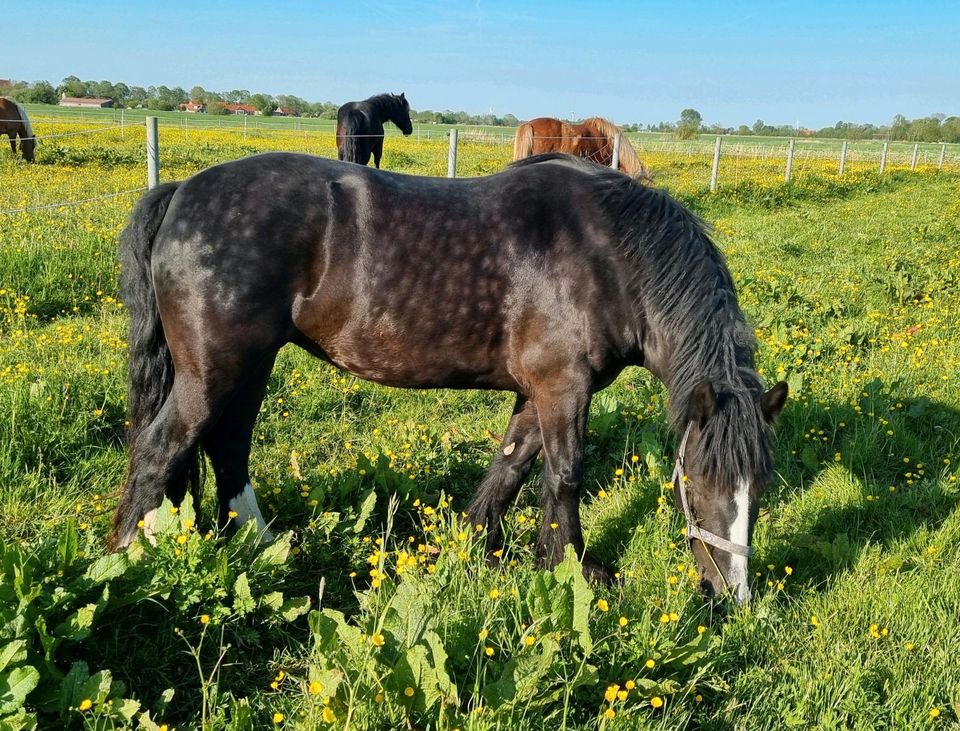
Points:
x=505, y=476
x=563, y=413
x=227, y=443
x=377, y=152
x=13, y=144
x=161, y=456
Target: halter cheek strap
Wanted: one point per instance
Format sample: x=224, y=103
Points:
x=693, y=530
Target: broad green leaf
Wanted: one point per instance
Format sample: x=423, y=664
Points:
x=570, y=573
x=243, y=600
x=126, y=708
x=14, y=652
x=72, y=686
x=407, y=616
x=68, y=544
x=295, y=607
x=273, y=600
x=107, y=567
x=275, y=554
x=15, y=686
x=366, y=510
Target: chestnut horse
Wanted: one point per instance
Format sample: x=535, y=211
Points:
x=592, y=140
x=546, y=279
x=14, y=123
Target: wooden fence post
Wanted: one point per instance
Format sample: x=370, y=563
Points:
x=615, y=159
x=716, y=166
x=883, y=157
x=843, y=157
x=153, y=153
x=786, y=175
x=916, y=151
x=452, y=155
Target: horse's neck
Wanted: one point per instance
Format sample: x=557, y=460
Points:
x=385, y=109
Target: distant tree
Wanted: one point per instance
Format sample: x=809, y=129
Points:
x=758, y=126
x=102, y=89
x=264, y=103
x=41, y=92
x=744, y=130
x=137, y=96
x=689, y=124
x=198, y=94
x=899, y=128
x=236, y=96
x=217, y=107
x=72, y=86
x=950, y=129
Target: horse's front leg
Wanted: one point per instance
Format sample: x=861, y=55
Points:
x=563, y=424
x=510, y=467
x=377, y=151
x=13, y=144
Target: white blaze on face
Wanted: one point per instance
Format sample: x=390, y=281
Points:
x=246, y=507
x=740, y=534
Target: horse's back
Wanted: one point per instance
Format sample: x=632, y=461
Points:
x=365, y=267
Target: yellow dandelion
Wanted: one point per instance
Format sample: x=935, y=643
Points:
x=86, y=704
x=656, y=702
x=315, y=687
x=328, y=715
x=603, y=605
x=530, y=640
x=278, y=717
x=408, y=692
x=623, y=621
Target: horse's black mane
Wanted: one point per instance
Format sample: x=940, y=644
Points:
x=386, y=102
x=685, y=290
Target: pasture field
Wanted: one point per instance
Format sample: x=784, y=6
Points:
x=375, y=608
x=866, y=152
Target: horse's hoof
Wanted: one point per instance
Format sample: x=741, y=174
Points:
x=596, y=571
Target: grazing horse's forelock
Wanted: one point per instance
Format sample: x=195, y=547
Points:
x=684, y=288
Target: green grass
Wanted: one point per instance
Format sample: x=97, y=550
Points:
x=854, y=290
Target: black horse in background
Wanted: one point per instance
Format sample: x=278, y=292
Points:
x=546, y=280
x=360, y=126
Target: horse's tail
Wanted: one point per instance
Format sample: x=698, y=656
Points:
x=629, y=160
x=351, y=131
x=523, y=141
x=150, y=364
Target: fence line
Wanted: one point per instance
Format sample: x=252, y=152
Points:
x=153, y=158
x=69, y=204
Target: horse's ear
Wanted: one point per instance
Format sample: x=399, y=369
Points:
x=703, y=403
x=403, y=95
x=771, y=404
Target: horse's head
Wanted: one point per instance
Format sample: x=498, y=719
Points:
x=402, y=115
x=27, y=147
x=723, y=467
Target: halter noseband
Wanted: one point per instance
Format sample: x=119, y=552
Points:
x=693, y=530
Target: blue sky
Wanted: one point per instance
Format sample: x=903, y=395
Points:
x=807, y=62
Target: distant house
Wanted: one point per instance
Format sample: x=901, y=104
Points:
x=193, y=107
x=83, y=101
x=285, y=112
x=240, y=109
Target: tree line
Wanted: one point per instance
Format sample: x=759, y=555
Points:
x=934, y=128
x=164, y=98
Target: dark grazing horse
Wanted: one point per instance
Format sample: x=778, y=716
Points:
x=546, y=280
x=14, y=123
x=360, y=126
x=591, y=140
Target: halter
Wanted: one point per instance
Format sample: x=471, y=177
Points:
x=693, y=530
